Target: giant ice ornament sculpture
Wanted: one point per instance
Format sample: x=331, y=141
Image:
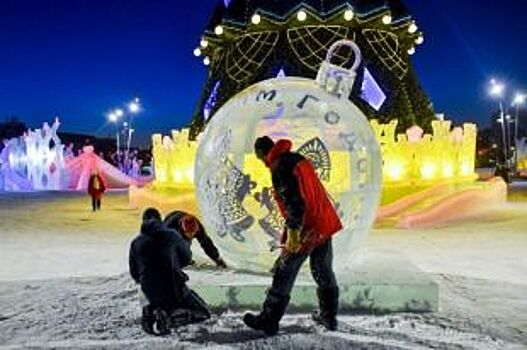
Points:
x=234, y=188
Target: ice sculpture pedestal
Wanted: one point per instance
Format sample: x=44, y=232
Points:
x=378, y=283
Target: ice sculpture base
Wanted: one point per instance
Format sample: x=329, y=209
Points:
x=378, y=283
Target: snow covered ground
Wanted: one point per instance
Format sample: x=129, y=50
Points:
x=63, y=283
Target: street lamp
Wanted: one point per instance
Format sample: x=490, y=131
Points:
x=114, y=118
x=119, y=112
x=496, y=90
x=134, y=107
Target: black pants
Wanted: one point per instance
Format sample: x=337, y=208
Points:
x=95, y=203
x=287, y=266
x=189, y=309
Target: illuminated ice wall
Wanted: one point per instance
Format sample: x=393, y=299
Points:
x=34, y=161
x=412, y=158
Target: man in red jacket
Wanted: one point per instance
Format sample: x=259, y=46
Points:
x=96, y=189
x=311, y=221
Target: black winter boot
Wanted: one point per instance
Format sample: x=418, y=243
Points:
x=328, y=299
x=268, y=320
x=147, y=319
x=162, y=323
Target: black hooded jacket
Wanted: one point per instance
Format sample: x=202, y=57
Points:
x=156, y=258
x=172, y=221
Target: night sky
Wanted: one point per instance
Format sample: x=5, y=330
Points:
x=79, y=58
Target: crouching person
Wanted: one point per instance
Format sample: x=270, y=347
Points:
x=157, y=256
x=191, y=228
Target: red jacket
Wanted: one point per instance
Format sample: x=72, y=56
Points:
x=301, y=196
x=96, y=191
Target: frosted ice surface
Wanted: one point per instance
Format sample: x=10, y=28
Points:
x=234, y=188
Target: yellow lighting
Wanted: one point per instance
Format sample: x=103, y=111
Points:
x=203, y=43
x=420, y=39
x=256, y=19
x=218, y=30
x=348, y=15
x=408, y=159
x=206, y=61
x=412, y=28
x=428, y=171
x=386, y=19
x=197, y=52
x=448, y=171
x=466, y=169
x=411, y=51
x=395, y=172
x=301, y=15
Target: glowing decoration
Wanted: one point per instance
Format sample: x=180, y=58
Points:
x=13, y=169
x=371, y=91
x=45, y=157
x=348, y=15
x=197, y=52
x=79, y=170
x=38, y=161
x=281, y=74
x=411, y=51
x=234, y=188
x=412, y=28
x=414, y=158
x=206, y=61
x=387, y=47
x=420, y=39
x=174, y=160
x=386, y=19
x=255, y=19
x=204, y=43
x=301, y=15
x=211, y=101
x=218, y=30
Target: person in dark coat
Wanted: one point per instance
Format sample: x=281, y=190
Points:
x=311, y=221
x=96, y=189
x=192, y=228
x=157, y=256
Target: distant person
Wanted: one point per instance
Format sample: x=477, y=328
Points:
x=157, y=256
x=310, y=222
x=191, y=228
x=96, y=189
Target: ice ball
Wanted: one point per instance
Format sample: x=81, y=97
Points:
x=234, y=189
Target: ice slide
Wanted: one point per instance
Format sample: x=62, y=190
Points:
x=443, y=203
x=80, y=168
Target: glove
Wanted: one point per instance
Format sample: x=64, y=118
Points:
x=221, y=263
x=293, y=243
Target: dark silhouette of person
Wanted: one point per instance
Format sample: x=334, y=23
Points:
x=157, y=256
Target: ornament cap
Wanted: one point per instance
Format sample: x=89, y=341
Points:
x=335, y=79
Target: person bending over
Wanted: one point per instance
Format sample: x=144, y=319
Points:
x=311, y=221
x=192, y=228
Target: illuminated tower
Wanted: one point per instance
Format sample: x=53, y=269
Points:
x=247, y=41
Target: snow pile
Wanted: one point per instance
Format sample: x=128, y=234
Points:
x=104, y=312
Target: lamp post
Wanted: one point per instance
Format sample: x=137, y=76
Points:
x=114, y=118
x=518, y=101
x=496, y=90
x=134, y=108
